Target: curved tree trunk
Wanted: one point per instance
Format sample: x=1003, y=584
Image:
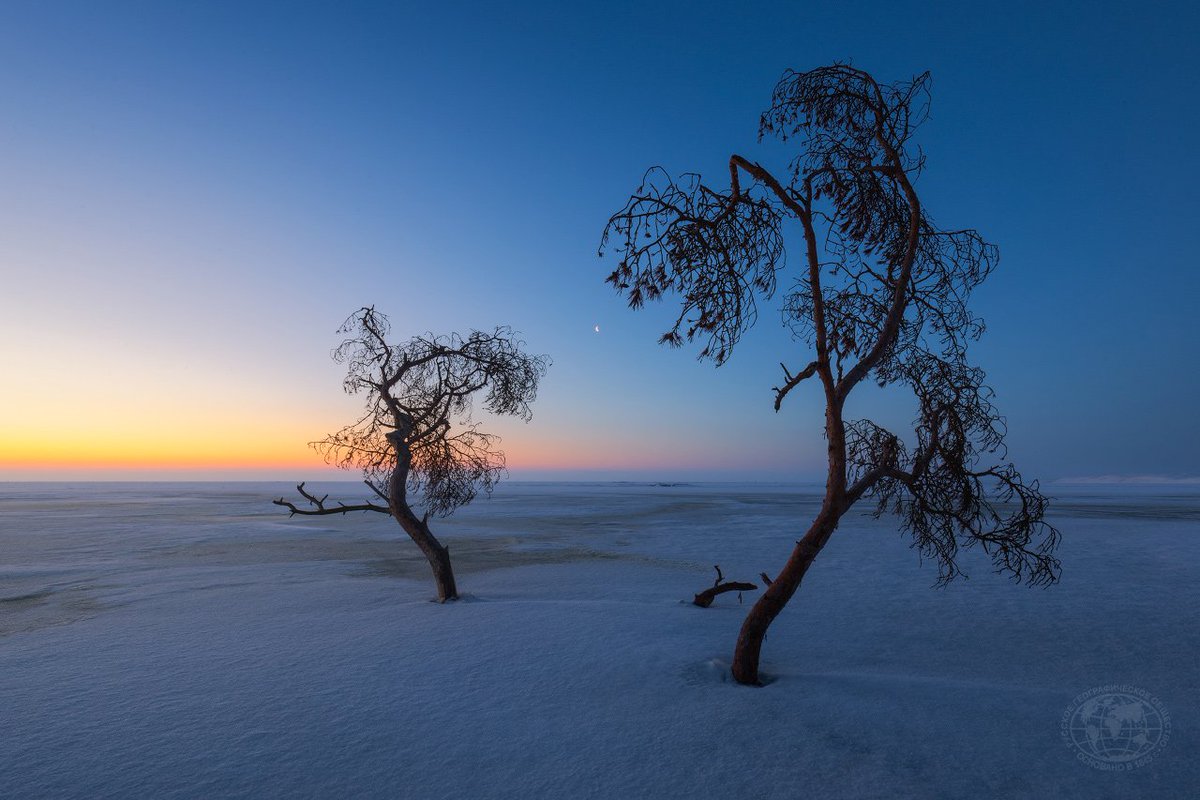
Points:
x=771, y=602
x=417, y=529
x=779, y=592
x=437, y=554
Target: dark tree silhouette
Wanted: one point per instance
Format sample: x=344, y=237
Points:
x=881, y=292
x=416, y=444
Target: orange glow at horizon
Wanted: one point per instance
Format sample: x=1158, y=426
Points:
x=124, y=454
x=249, y=448
x=119, y=443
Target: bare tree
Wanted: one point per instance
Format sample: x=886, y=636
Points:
x=882, y=293
x=416, y=443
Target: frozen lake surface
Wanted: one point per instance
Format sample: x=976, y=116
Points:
x=192, y=641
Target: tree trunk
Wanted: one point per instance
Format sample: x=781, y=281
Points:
x=416, y=528
x=779, y=591
x=435, y=552
x=443, y=573
x=777, y=594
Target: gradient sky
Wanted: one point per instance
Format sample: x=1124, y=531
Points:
x=194, y=195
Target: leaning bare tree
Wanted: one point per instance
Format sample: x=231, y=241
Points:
x=881, y=293
x=416, y=444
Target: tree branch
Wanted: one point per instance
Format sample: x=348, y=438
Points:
x=792, y=381
x=900, y=290
x=803, y=212
x=873, y=476
x=768, y=180
x=319, y=508
x=379, y=492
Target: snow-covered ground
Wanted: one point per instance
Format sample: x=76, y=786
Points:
x=189, y=640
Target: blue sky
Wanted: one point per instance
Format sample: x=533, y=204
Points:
x=194, y=195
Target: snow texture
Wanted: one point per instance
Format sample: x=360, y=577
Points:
x=192, y=641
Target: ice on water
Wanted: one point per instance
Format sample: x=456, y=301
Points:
x=190, y=640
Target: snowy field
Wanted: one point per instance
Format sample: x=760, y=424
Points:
x=191, y=641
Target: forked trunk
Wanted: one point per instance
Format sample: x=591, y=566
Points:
x=771, y=602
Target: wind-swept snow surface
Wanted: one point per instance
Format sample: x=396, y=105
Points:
x=172, y=640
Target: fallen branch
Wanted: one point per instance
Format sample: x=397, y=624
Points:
x=720, y=586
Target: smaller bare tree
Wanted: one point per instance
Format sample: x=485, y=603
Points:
x=416, y=444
